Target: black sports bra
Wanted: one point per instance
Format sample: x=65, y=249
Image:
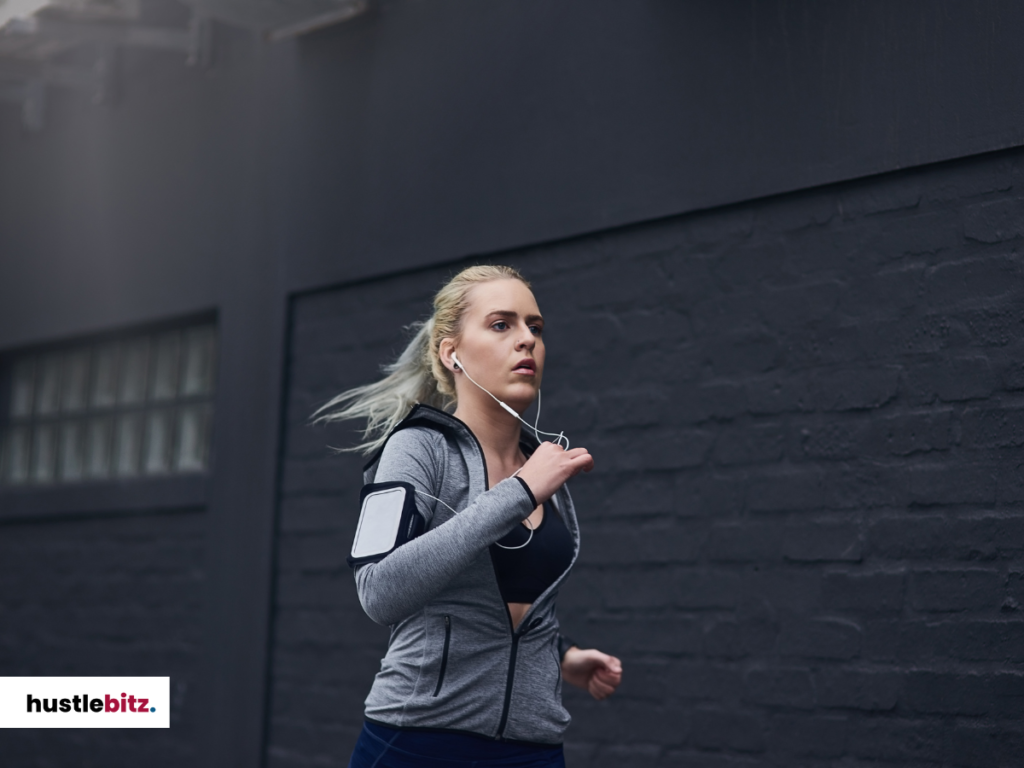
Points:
x=523, y=574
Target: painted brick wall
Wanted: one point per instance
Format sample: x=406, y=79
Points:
x=805, y=533
x=104, y=595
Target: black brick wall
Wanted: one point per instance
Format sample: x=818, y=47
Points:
x=805, y=532
x=117, y=595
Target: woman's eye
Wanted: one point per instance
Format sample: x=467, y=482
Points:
x=536, y=330
x=501, y=325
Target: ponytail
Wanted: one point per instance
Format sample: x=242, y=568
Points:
x=385, y=403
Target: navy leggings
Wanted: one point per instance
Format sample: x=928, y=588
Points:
x=382, y=747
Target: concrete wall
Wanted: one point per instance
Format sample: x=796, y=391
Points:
x=805, y=532
x=422, y=132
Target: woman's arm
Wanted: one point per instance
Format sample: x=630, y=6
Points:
x=403, y=582
x=411, y=576
x=408, y=578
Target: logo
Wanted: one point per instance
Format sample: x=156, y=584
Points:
x=84, y=704
x=69, y=702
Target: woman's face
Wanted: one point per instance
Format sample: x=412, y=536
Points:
x=501, y=344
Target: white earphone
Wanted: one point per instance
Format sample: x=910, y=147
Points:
x=537, y=433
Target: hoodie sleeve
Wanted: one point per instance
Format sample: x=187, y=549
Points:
x=400, y=584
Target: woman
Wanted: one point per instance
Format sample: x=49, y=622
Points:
x=474, y=666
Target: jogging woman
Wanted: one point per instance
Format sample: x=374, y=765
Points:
x=473, y=671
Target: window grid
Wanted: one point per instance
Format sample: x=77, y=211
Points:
x=140, y=406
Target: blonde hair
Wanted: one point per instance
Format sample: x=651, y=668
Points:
x=418, y=375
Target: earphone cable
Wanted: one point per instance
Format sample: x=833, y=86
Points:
x=527, y=520
x=558, y=438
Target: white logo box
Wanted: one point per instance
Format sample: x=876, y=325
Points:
x=101, y=702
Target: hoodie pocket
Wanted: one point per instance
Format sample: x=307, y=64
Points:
x=444, y=654
x=558, y=672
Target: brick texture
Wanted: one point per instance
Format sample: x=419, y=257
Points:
x=805, y=532
x=108, y=595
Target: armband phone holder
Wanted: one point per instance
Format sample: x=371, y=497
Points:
x=388, y=518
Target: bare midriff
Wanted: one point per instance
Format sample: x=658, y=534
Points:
x=518, y=610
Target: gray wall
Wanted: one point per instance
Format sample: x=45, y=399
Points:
x=804, y=534
x=423, y=133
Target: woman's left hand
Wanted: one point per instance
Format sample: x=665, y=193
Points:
x=593, y=671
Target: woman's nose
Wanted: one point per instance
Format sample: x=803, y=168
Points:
x=527, y=342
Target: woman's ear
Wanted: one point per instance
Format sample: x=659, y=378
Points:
x=445, y=350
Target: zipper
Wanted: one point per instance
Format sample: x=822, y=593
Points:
x=516, y=637
x=444, y=653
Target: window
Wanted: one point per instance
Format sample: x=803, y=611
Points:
x=138, y=406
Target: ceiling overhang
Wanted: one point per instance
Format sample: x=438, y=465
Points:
x=35, y=34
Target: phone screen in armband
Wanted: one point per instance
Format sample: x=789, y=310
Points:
x=388, y=518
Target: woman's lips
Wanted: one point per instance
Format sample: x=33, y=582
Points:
x=526, y=366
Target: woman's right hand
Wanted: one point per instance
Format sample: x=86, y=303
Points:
x=550, y=466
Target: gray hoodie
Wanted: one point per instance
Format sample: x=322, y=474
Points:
x=453, y=660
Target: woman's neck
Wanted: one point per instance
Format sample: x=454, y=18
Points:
x=498, y=434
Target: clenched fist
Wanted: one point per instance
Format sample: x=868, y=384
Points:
x=550, y=466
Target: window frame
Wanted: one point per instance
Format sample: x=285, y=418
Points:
x=111, y=494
